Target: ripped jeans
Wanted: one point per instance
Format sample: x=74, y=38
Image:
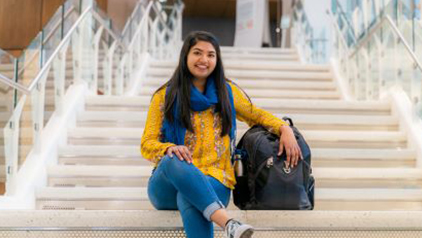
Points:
x=177, y=185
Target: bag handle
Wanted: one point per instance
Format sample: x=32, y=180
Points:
x=289, y=120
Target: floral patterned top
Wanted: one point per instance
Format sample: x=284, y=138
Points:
x=210, y=151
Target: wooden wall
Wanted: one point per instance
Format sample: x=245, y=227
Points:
x=119, y=11
x=2, y=188
x=21, y=20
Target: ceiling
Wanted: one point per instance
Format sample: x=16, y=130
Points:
x=218, y=8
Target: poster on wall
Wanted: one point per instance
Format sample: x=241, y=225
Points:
x=252, y=23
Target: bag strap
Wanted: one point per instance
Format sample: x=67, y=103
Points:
x=289, y=120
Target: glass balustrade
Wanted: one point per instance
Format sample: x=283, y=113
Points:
x=75, y=47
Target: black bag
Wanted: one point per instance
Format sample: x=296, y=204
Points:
x=265, y=183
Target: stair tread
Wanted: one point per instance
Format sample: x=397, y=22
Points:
x=318, y=172
x=297, y=118
x=324, y=135
x=228, y=64
x=274, y=103
x=104, y=193
x=255, y=74
x=294, y=220
x=317, y=153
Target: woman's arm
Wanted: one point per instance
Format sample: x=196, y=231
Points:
x=252, y=115
x=151, y=147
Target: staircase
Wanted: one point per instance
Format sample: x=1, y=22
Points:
x=362, y=159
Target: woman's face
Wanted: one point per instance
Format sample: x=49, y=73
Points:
x=202, y=59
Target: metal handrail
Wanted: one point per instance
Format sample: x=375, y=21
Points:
x=56, y=51
x=58, y=24
x=45, y=41
x=66, y=38
x=336, y=27
x=338, y=5
x=109, y=30
x=396, y=31
x=12, y=84
x=28, y=90
x=144, y=18
x=130, y=19
x=160, y=17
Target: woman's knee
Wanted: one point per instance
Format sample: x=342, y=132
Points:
x=174, y=163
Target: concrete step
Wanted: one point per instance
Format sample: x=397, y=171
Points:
x=270, y=93
x=23, y=152
x=123, y=151
x=290, y=58
x=151, y=223
x=136, y=198
x=265, y=84
x=315, y=138
x=238, y=50
x=247, y=65
x=302, y=121
x=321, y=157
x=283, y=106
x=137, y=176
x=256, y=75
x=364, y=158
x=329, y=154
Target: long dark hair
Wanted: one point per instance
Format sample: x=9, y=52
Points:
x=181, y=81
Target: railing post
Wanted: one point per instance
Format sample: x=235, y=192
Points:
x=121, y=75
x=96, y=45
x=108, y=69
x=38, y=106
x=59, y=66
x=11, y=146
x=77, y=54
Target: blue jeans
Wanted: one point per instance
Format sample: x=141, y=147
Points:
x=177, y=185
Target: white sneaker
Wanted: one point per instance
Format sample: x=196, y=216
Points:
x=236, y=229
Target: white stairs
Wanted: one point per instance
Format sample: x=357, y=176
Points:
x=361, y=157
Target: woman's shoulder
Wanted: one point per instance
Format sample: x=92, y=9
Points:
x=235, y=88
x=160, y=94
x=232, y=85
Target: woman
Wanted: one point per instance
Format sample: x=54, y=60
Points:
x=190, y=133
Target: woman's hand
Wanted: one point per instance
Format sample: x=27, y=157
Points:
x=289, y=144
x=182, y=152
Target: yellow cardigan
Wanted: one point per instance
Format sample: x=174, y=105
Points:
x=210, y=151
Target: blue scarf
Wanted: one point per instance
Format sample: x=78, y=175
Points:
x=175, y=132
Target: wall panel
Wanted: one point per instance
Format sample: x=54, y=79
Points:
x=20, y=21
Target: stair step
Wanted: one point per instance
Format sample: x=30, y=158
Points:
x=256, y=75
x=319, y=173
x=331, y=154
x=298, y=224
x=262, y=93
x=251, y=50
x=284, y=106
x=257, y=65
x=103, y=160
x=258, y=56
x=321, y=157
x=322, y=122
x=316, y=135
x=156, y=82
x=130, y=198
x=80, y=193
x=138, y=175
x=87, y=150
